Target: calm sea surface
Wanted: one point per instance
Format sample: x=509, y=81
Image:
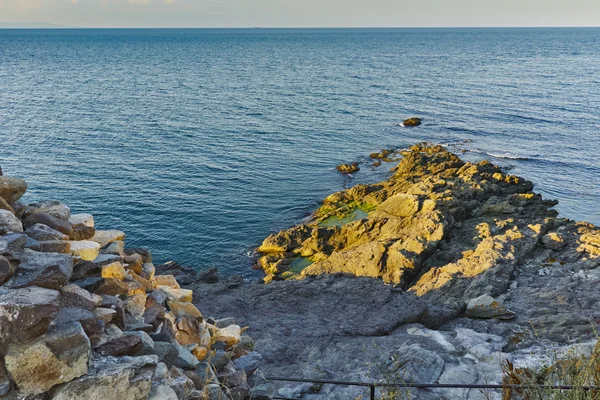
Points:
x=200, y=143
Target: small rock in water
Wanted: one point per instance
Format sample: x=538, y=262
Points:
x=347, y=169
x=412, y=122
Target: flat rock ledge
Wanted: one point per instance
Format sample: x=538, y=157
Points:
x=82, y=316
x=437, y=275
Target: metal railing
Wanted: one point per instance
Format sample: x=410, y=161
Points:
x=373, y=385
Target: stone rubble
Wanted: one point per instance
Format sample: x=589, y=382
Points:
x=83, y=316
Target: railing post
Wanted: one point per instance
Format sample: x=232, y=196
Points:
x=372, y=392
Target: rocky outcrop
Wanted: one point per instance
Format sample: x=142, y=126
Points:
x=83, y=316
x=414, y=121
x=348, y=168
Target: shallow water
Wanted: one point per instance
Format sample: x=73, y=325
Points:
x=200, y=143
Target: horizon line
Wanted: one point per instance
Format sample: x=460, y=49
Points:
x=65, y=27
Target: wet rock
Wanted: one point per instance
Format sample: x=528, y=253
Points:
x=12, y=189
x=348, y=168
x=412, y=122
x=210, y=275
x=486, y=306
x=9, y=223
x=55, y=223
x=59, y=356
x=26, y=313
x=46, y=270
x=112, y=378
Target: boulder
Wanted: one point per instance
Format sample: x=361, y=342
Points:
x=136, y=306
x=179, y=295
x=112, y=378
x=82, y=232
x=57, y=357
x=49, y=220
x=117, y=247
x=147, y=343
x=486, y=306
x=248, y=363
x=5, y=206
x=53, y=246
x=9, y=223
x=92, y=325
x=148, y=271
x=82, y=220
x=113, y=270
x=126, y=345
x=93, y=268
x=7, y=269
x=87, y=250
x=105, y=314
x=412, y=122
x=145, y=253
x=175, y=354
x=166, y=280
x=12, y=189
x=5, y=383
x=230, y=335
x=104, y=286
x=74, y=296
x=105, y=237
x=348, y=168
x=26, y=313
x=184, y=309
x=46, y=270
x=50, y=207
x=12, y=243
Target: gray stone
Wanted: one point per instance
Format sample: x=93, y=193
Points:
x=43, y=232
x=486, y=306
x=112, y=378
x=59, y=356
x=162, y=392
x=7, y=269
x=117, y=247
x=9, y=223
x=49, y=220
x=47, y=270
x=74, y=296
x=12, y=243
x=248, y=363
x=174, y=354
x=93, y=268
x=25, y=313
x=50, y=207
x=147, y=343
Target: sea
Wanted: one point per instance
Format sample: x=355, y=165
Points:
x=199, y=143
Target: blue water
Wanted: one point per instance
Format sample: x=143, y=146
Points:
x=200, y=143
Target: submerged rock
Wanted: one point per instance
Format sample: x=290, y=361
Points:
x=348, y=168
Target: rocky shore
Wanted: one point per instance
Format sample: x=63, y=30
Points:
x=82, y=316
x=440, y=274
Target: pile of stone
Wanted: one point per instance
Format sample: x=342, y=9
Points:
x=82, y=316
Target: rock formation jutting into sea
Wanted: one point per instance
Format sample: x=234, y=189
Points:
x=439, y=274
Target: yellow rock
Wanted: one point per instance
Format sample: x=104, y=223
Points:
x=200, y=352
x=114, y=270
x=85, y=249
x=230, y=335
x=167, y=280
x=179, y=295
x=182, y=309
x=106, y=237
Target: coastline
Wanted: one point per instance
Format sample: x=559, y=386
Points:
x=450, y=269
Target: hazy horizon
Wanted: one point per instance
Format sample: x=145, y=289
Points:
x=293, y=14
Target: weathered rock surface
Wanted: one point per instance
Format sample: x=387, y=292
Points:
x=47, y=270
x=59, y=356
x=12, y=189
x=9, y=223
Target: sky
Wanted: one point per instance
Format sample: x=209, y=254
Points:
x=302, y=13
